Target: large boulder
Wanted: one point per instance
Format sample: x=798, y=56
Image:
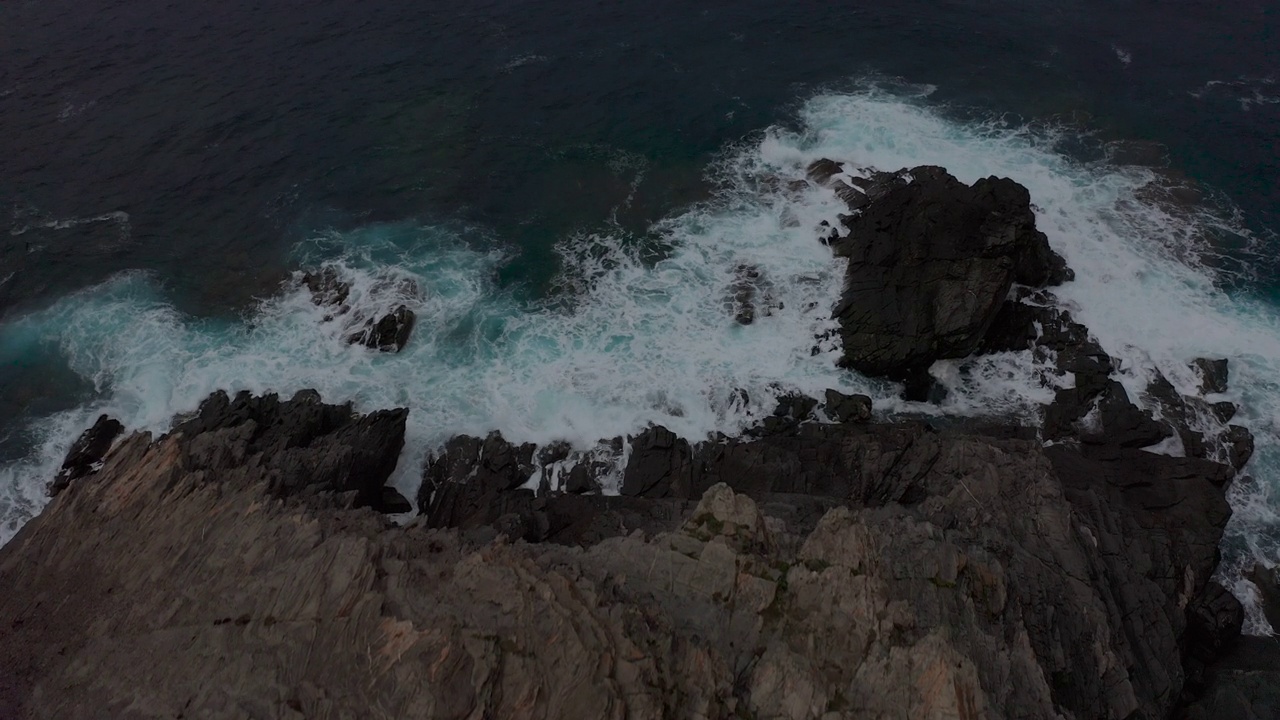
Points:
x=930, y=263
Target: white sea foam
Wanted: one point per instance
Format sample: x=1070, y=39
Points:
x=629, y=341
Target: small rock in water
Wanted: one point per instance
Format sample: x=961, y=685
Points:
x=751, y=295
x=326, y=288
x=389, y=334
x=1213, y=375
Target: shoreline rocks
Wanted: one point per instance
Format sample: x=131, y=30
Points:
x=241, y=565
x=812, y=572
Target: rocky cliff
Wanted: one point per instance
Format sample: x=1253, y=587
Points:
x=821, y=566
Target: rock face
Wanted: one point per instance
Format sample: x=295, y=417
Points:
x=930, y=263
x=839, y=571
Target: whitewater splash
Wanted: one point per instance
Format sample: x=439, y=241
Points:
x=628, y=340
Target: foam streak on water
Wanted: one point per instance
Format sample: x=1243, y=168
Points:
x=630, y=341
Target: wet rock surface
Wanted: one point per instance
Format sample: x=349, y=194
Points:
x=387, y=332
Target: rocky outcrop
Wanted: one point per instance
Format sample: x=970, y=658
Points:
x=836, y=570
x=930, y=263
x=86, y=453
x=822, y=565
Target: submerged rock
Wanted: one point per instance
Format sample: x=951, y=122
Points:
x=751, y=295
x=847, y=408
x=1213, y=375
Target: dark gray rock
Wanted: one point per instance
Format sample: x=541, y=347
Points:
x=305, y=446
x=462, y=483
x=389, y=334
x=326, y=287
x=1213, y=374
x=86, y=453
x=821, y=171
x=394, y=503
x=660, y=465
x=930, y=265
x=1267, y=580
x=1122, y=423
x=1239, y=443
x=1223, y=411
x=1215, y=619
x=847, y=408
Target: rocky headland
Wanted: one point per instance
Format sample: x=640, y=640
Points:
x=826, y=564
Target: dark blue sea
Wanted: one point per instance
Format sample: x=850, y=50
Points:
x=570, y=187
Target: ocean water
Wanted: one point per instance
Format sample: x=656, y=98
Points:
x=563, y=195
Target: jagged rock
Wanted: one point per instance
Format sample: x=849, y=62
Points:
x=821, y=171
x=1223, y=411
x=1122, y=423
x=1239, y=442
x=326, y=287
x=302, y=445
x=461, y=484
x=1214, y=622
x=847, y=408
x=930, y=264
x=393, y=503
x=86, y=452
x=389, y=333
x=794, y=406
x=659, y=465
x=1213, y=375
